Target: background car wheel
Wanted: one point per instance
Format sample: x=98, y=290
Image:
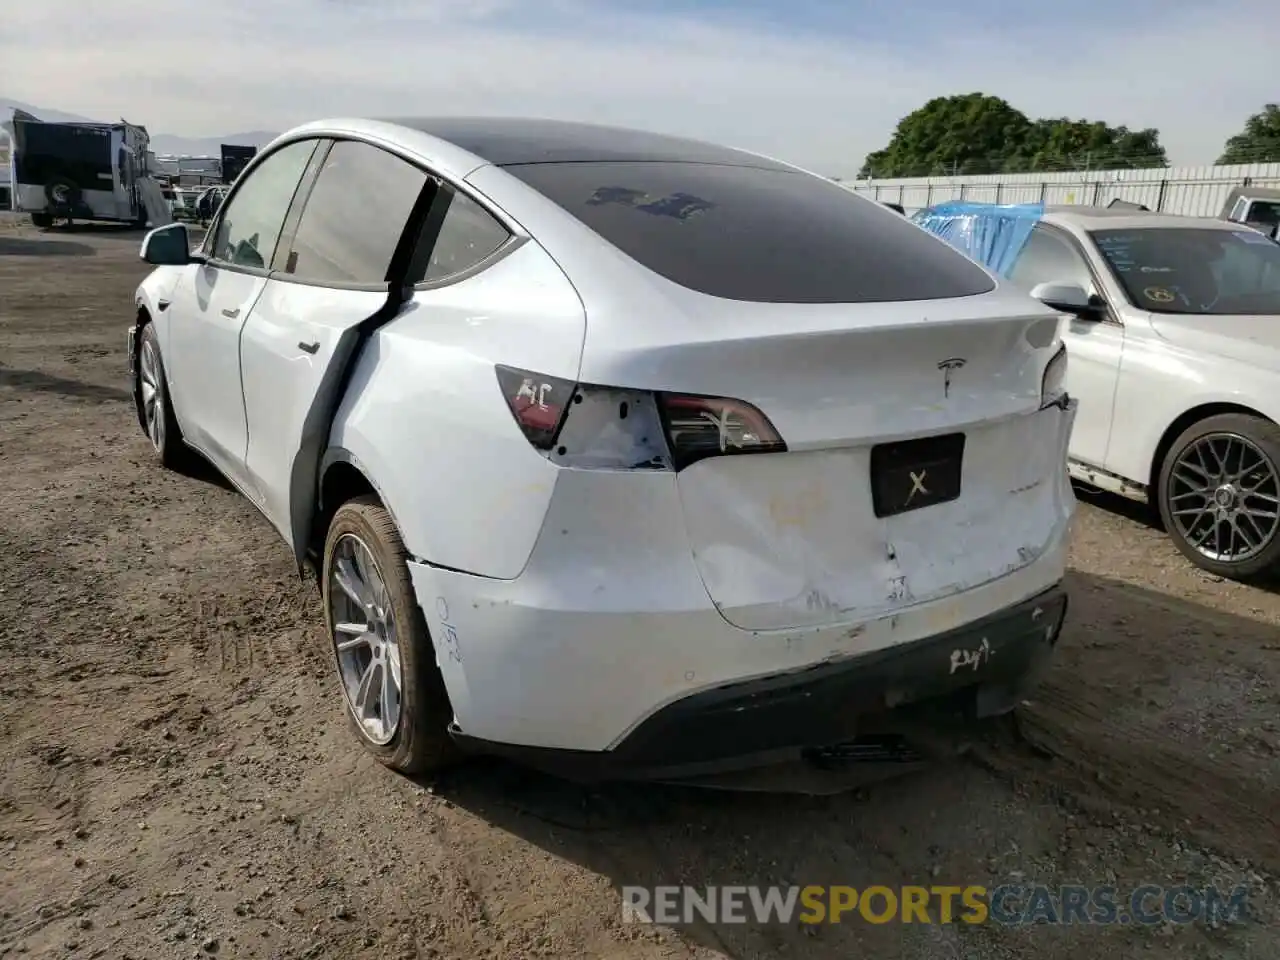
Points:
x=155, y=412
x=396, y=699
x=1219, y=495
x=62, y=193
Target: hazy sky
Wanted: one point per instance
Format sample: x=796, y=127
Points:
x=817, y=82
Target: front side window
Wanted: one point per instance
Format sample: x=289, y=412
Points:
x=355, y=216
x=1048, y=257
x=753, y=234
x=468, y=235
x=1194, y=270
x=250, y=226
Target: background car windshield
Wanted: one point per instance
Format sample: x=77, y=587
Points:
x=1265, y=212
x=1195, y=271
x=745, y=233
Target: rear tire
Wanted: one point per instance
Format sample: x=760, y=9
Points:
x=42, y=220
x=376, y=630
x=1222, y=475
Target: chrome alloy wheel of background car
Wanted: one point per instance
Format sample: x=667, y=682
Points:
x=1224, y=497
x=365, y=639
x=152, y=395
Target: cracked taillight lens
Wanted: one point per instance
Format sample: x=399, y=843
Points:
x=701, y=427
x=537, y=401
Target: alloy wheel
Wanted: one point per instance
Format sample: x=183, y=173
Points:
x=1224, y=497
x=152, y=395
x=365, y=639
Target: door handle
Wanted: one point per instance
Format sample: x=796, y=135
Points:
x=309, y=347
x=231, y=314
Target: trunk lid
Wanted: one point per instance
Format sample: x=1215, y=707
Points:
x=797, y=539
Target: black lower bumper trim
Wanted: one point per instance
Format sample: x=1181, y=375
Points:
x=989, y=663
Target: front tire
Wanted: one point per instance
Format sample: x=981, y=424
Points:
x=155, y=412
x=1219, y=495
x=395, y=697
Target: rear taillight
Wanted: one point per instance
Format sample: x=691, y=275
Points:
x=701, y=427
x=620, y=429
x=538, y=403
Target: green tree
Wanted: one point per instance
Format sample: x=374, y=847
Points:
x=1258, y=142
x=967, y=133
x=1065, y=144
x=977, y=133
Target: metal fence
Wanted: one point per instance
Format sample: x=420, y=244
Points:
x=1189, y=191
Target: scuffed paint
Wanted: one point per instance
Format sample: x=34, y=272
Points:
x=971, y=659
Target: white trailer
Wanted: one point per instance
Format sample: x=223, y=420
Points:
x=81, y=171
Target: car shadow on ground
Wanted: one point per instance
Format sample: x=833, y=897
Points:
x=1145, y=515
x=23, y=247
x=93, y=228
x=1072, y=747
x=196, y=467
x=1134, y=510
x=39, y=382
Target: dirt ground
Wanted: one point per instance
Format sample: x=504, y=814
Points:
x=177, y=780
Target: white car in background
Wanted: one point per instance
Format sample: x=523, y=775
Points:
x=627, y=455
x=1174, y=338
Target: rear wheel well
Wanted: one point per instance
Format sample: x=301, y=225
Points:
x=1174, y=430
x=342, y=482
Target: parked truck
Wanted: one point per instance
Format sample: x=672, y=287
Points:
x=79, y=171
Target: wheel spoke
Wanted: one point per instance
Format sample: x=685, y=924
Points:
x=355, y=643
x=1184, y=465
x=349, y=581
x=385, y=710
x=1211, y=529
x=364, y=637
x=1219, y=459
x=1237, y=529
x=367, y=689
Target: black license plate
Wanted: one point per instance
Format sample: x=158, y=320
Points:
x=913, y=474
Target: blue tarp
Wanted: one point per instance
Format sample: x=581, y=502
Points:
x=993, y=234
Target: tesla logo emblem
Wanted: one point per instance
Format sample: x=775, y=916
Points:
x=917, y=485
x=946, y=366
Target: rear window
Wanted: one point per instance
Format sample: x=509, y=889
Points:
x=767, y=236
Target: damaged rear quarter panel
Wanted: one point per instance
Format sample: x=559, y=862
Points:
x=425, y=415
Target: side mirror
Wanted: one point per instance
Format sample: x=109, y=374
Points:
x=1068, y=298
x=167, y=246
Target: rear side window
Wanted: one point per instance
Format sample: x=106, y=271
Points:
x=745, y=233
x=468, y=235
x=354, y=216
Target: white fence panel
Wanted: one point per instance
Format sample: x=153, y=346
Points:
x=1190, y=191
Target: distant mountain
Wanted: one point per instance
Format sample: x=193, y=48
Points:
x=161, y=143
x=54, y=116
x=165, y=144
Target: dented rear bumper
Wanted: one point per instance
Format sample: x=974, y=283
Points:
x=771, y=720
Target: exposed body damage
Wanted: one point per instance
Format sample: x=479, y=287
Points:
x=631, y=509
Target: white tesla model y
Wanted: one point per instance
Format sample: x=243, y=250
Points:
x=625, y=454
